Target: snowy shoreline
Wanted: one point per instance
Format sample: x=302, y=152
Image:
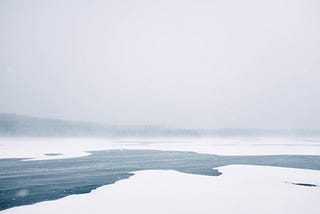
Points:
x=240, y=189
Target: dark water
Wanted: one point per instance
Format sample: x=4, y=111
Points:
x=304, y=184
x=28, y=182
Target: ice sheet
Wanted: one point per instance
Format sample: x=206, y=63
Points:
x=37, y=148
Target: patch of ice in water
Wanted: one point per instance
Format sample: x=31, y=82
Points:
x=22, y=193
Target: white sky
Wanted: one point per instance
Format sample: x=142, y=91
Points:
x=201, y=64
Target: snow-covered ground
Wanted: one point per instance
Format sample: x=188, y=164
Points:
x=240, y=189
x=76, y=147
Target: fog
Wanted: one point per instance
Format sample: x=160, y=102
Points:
x=195, y=64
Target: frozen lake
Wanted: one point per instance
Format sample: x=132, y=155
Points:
x=28, y=181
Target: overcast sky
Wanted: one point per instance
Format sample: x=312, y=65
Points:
x=179, y=63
